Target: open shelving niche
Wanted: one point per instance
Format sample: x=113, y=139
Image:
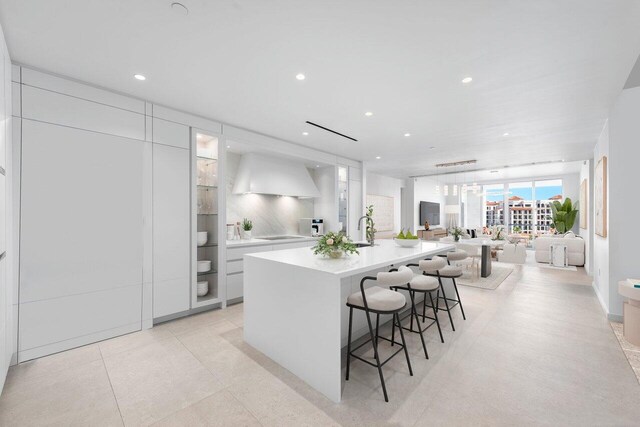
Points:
x=206, y=174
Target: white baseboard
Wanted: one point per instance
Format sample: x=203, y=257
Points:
x=602, y=304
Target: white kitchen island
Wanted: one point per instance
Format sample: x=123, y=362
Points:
x=295, y=305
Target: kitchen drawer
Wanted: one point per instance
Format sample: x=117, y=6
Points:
x=234, y=266
x=238, y=253
x=234, y=286
x=306, y=244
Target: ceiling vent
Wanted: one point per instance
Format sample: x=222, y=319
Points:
x=332, y=131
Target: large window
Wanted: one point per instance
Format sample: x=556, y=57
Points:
x=546, y=192
x=494, y=204
x=521, y=215
x=528, y=209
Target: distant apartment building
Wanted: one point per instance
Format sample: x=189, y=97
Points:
x=521, y=214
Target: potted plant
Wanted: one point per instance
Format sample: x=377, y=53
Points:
x=247, y=226
x=334, y=245
x=563, y=215
x=456, y=232
x=497, y=233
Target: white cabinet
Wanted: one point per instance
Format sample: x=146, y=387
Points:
x=171, y=230
x=81, y=245
x=170, y=133
x=235, y=263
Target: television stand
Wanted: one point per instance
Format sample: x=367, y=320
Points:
x=432, y=234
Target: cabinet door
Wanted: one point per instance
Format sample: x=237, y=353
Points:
x=171, y=230
x=81, y=237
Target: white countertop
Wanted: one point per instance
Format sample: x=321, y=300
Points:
x=263, y=242
x=383, y=254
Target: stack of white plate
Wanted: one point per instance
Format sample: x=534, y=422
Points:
x=203, y=288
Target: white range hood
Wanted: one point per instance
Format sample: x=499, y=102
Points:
x=263, y=174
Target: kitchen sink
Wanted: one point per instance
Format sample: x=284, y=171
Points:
x=280, y=237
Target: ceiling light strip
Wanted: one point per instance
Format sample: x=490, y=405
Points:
x=487, y=169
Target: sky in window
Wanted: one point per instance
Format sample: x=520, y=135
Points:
x=542, y=193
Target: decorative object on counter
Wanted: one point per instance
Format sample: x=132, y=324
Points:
x=204, y=266
x=237, y=235
x=202, y=288
x=334, y=245
x=426, y=225
x=202, y=238
x=456, y=232
x=230, y=229
x=406, y=240
x=370, y=227
x=247, y=226
x=563, y=215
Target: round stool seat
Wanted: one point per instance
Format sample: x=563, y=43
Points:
x=379, y=299
x=457, y=255
x=424, y=283
x=450, y=271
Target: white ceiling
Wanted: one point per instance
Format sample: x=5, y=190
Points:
x=544, y=71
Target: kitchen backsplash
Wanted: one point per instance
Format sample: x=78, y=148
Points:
x=271, y=215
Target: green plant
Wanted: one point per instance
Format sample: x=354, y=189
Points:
x=456, y=232
x=517, y=229
x=563, y=215
x=332, y=243
x=497, y=232
x=247, y=224
x=371, y=231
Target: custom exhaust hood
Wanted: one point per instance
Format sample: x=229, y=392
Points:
x=263, y=174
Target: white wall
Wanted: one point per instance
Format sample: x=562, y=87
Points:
x=601, y=244
x=6, y=229
x=624, y=205
x=425, y=190
x=380, y=185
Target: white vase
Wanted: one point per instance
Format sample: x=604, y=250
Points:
x=247, y=234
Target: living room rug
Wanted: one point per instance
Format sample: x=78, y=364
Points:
x=498, y=274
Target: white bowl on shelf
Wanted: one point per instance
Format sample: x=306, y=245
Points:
x=202, y=238
x=204, y=266
x=202, y=288
x=407, y=243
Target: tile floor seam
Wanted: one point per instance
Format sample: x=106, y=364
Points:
x=233, y=396
x=111, y=386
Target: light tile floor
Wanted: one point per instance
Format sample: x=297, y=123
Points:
x=537, y=350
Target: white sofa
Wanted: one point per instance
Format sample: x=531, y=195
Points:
x=514, y=253
x=575, y=247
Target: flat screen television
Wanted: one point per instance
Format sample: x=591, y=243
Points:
x=430, y=211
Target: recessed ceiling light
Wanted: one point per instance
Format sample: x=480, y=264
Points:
x=368, y=114
x=493, y=171
x=179, y=8
x=228, y=146
x=305, y=133
x=378, y=157
x=467, y=80
x=139, y=77
x=317, y=166
x=407, y=134
x=300, y=76
x=505, y=134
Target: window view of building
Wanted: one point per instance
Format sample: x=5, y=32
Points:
x=529, y=205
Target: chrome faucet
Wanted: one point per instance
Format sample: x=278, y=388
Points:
x=371, y=232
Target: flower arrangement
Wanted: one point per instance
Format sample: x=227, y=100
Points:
x=456, y=232
x=334, y=245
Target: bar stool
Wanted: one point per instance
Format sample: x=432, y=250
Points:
x=449, y=271
x=427, y=285
x=379, y=300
